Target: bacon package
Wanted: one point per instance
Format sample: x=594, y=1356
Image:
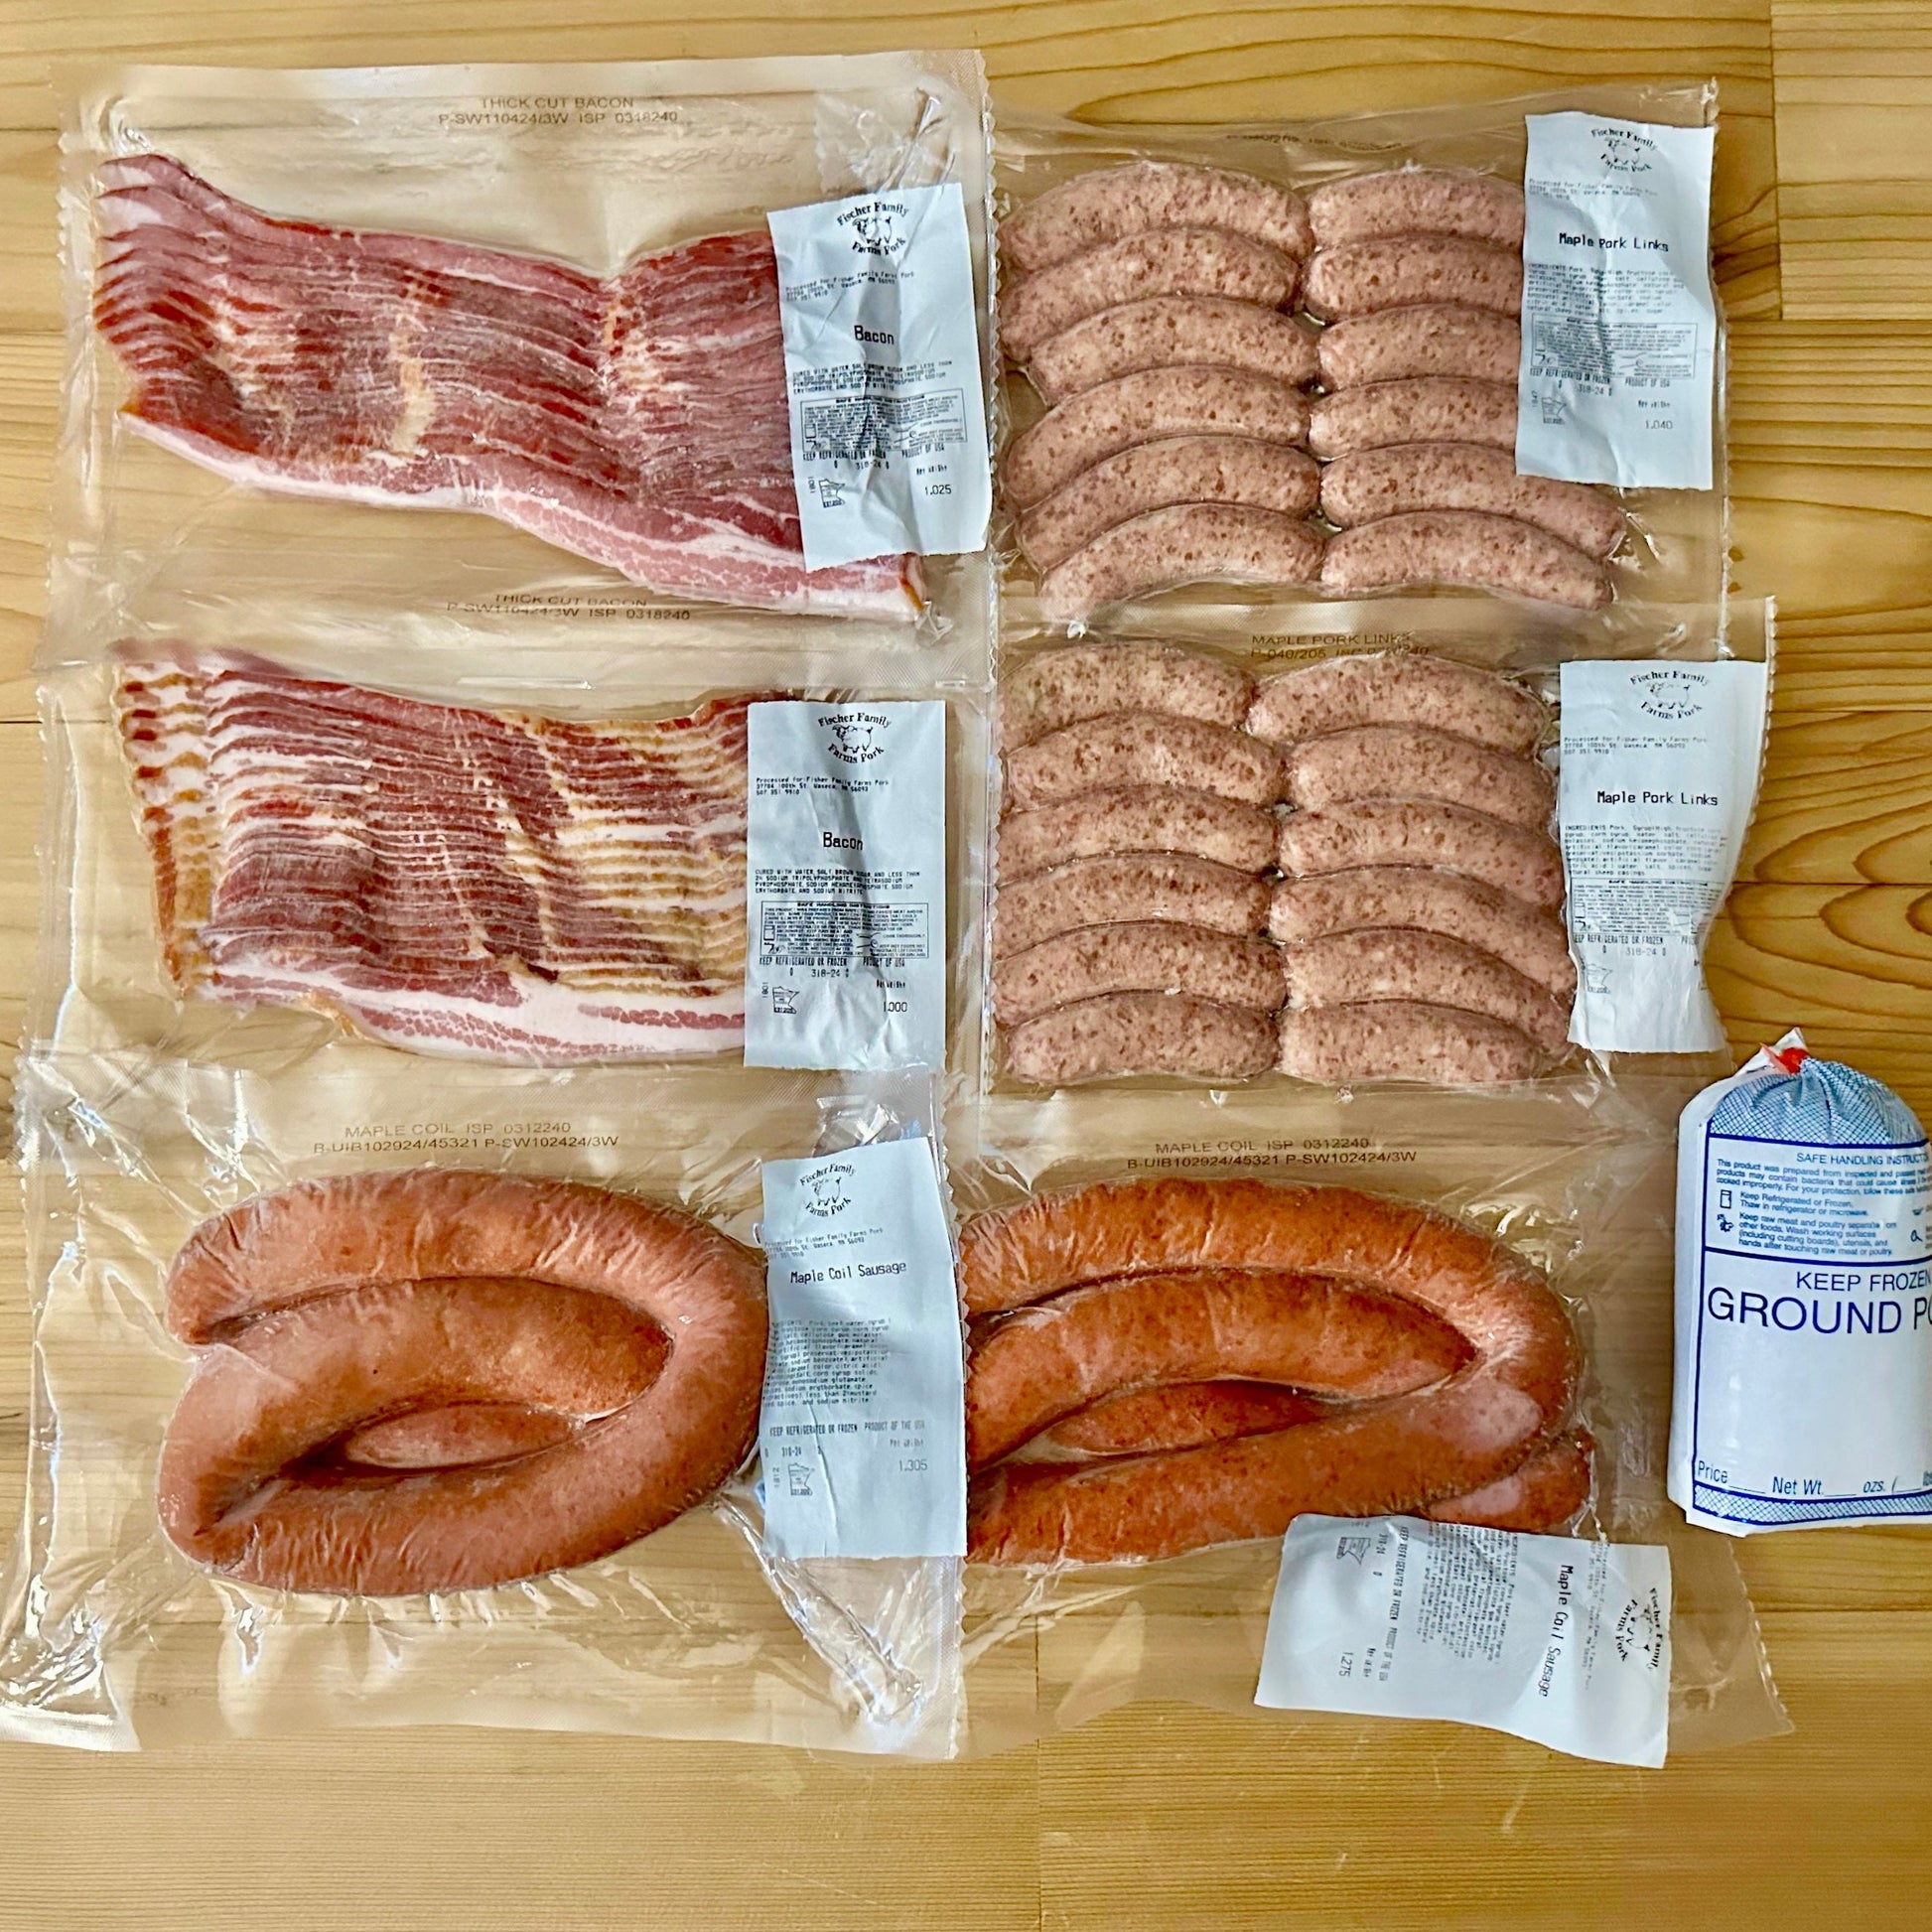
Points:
x=547, y=304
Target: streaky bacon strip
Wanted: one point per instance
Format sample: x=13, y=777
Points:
x=488, y=883
x=639, y=421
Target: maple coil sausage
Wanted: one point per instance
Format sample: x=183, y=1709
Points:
x=436, y=1379
x=1130, y=1284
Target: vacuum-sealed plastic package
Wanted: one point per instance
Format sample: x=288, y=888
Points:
x=1344, y=847
x=1472, y=347
x=352, y=1405
x=1373, y=1310
x=647, y=857
x=543, y=303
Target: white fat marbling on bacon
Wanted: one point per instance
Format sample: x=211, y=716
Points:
x=639, y=421
x=493, y=885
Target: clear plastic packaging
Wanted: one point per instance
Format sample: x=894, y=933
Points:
x=1675, y=547
x=583, y=167
x=113, y=1638
x=1585, y=1194
x=1508, y=638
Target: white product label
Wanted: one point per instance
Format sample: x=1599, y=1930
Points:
x=862, y=1433
x=1660, y=765
x=1561, y=1641
x=846, y=877
x=883, y=368
x=1804, y=1304
x=1619, y=328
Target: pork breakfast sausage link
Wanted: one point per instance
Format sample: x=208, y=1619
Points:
x=1118, y=1034
x=1147, y=406
x=1136, y=818
x=1115, y=886
x=1390, y=687
x=1421, y=832
x=1417, y=409
x=1143, y=748
x=1178, y=1415
x=1233, y=969
x=1394, y=481
x=1170, y=331
x=343, y=1300
x=1545, y=1491
x=1165, y=262
x=1466, y=547
x=1152, y=476
x=1418, y=201
x=1409, y=271
x=1395, y=1455
x=1325, y=1336
x=1191, y=544
x=1405, y=963
x=1415, y=761
x=1105, y=204
x=1079, y=681
x=1431, y=901
x=1431, y=339
x=1408, y=1040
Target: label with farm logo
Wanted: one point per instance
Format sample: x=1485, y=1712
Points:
x=862, y=1433
x=883, y=371
x=1553, y=1638
x=1660, y=765
x=846, y=886
x=1617, y=378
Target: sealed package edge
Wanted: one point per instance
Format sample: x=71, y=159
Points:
x=1350, y=358
x=1422, y=845
x=324, y=1377
x=1804, y=1302
x=1457, y=1314
x=556, y=319
x=290, y=849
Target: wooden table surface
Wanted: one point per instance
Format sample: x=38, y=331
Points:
x=1164, y=1816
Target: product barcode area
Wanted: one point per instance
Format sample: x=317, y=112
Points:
x=871, y=429
x=819, y=934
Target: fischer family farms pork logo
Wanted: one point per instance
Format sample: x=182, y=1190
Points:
x=853, y=736
x=828, y=1190
x=875, y=228
x=1671, y=692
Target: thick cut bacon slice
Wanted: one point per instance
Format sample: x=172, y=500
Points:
x=492, y=885
x=641, y=421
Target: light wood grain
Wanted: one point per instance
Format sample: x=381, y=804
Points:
x=1853, y=91
x=1163, y=1816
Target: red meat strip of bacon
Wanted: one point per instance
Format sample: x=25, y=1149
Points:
x=493, y=885
x=639, y=421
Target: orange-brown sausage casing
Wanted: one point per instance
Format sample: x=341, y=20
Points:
x=1397, y=1456
x=341, y=1301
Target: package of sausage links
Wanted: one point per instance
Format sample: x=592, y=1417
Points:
x=609, y=344
x=1428, y=1344
x=1419, y=843
x=1474, y=349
